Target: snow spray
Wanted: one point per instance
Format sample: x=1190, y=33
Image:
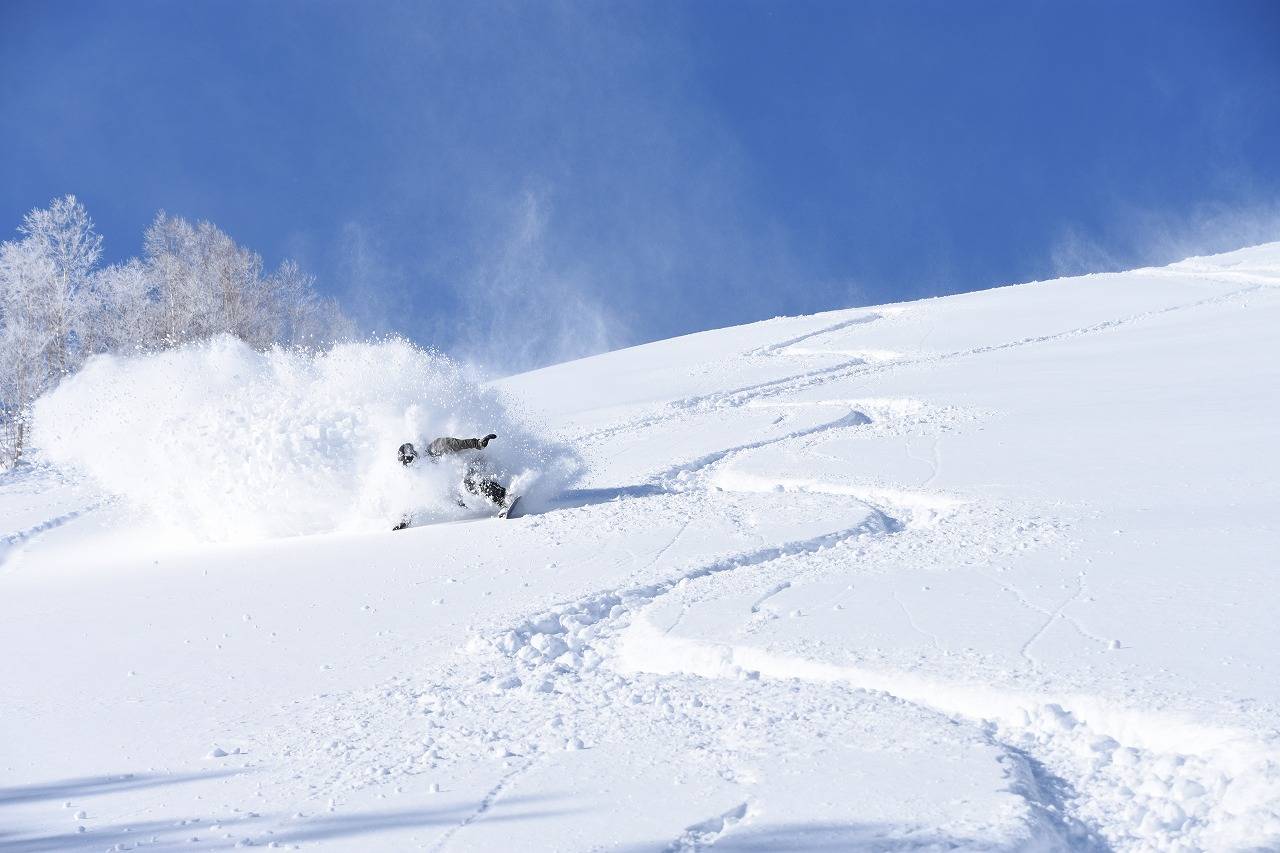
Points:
x=232, y=444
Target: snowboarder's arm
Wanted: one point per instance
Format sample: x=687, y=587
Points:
x=444, y=445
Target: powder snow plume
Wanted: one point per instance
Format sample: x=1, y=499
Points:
x=234, y=444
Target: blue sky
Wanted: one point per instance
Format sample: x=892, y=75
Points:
x=524, y=182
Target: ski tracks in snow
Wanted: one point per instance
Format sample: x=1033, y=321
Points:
x=707, y=833
x=561, y=679
x=13, y=544
x=486, y=803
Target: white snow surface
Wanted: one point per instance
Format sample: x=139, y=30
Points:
x=987, y=572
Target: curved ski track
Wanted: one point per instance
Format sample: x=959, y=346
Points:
x=1076, y=777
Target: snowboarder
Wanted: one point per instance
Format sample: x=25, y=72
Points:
x=475, y=481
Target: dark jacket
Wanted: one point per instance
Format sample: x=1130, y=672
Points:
x=444, y=445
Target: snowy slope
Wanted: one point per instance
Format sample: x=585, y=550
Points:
x=993, y=571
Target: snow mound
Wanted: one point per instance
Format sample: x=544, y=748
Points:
x=234, y=444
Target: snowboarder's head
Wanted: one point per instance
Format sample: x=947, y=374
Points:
x=407, y=454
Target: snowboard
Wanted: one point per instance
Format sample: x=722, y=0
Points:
x=509, y=507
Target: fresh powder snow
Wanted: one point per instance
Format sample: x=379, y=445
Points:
x=994, y=571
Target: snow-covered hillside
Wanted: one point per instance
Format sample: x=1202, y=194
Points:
x=993, y=571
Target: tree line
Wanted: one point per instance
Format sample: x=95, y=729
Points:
x=58, y=307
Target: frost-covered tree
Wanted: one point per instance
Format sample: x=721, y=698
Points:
x=302, y=315
x=42, y=278
x=25, y=273
x=62, y=234
x=205, y=284
x=236, y=299
x=118, y=314
x=169, y=255
x=192, y=282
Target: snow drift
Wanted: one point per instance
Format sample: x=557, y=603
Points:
x=235, y=444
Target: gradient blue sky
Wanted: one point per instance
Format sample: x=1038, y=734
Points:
x=523, y=182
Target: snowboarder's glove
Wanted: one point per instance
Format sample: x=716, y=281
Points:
x=484, y=442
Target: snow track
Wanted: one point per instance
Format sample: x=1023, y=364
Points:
x=12, y=543
x=702, y=835
x=1122, y=778
x=45, y=502
x=487, y=803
